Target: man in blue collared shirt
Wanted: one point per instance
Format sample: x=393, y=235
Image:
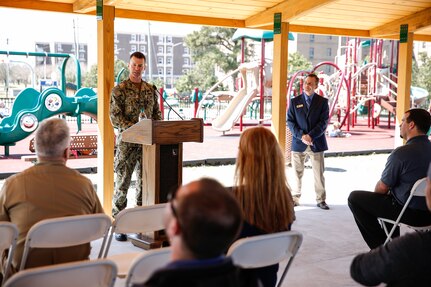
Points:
x=408, y=257
x=201, y=221
x=405, y=165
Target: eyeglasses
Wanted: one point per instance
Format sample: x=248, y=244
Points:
x=171, y=197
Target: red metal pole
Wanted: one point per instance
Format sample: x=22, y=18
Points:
x=242, y=84
x=196, y=102
x=261, y=88
x=161, y=100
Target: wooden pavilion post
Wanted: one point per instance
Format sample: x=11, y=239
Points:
x=105, y=83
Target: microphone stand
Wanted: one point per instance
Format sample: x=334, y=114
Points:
x=158, y=93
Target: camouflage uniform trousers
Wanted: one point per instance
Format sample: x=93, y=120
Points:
x=127, y=158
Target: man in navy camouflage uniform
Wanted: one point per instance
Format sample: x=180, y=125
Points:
x=130, y=100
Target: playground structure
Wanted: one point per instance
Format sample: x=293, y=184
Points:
x=31, y=106
x=358, y=84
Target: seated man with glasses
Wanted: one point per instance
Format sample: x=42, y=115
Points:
x=202, y=220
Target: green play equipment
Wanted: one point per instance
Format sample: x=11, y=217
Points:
x=31, y=107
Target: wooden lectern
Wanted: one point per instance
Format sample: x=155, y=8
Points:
x=162, y=160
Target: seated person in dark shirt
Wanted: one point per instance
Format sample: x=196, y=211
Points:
x=405, y=165
x=404, y=261
x=201, y=221
x=262, y=191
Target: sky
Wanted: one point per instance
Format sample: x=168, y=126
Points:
x=17, y=34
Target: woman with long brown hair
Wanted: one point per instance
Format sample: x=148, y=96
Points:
x=262, y=190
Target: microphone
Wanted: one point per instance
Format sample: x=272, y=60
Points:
x=166, y=102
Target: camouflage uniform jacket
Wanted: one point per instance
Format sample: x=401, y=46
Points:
x=127, y=102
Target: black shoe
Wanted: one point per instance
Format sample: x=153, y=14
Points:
x=120, y=237
x=323, y=205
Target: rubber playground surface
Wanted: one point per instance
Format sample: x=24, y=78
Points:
x=220, y=149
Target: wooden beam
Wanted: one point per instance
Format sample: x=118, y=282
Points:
x=423, y=38
x=290, y=9
x=84, y=6
x=38, y=5
x=279, y=84
x=105, y=83
x=328, y=31
x=405, y=56
x=415, y=21
x=175, y=18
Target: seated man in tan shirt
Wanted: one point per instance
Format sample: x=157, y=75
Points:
x=48, y=189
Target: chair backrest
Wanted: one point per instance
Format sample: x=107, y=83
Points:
x=139, y=219
x=145, y=265
x=418, y=189
x=264, y=250
x=94, y=273
x=8, y=238
x=67, y=231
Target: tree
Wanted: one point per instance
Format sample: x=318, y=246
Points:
x=424, y=73
x=297, y=62
x=211, y=47
x=90, y=79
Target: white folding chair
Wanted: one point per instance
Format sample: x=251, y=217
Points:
x=67, y=231
x=264, y=250
x=94, y=273
x=8, y=238
x=144, y=265
x=139, y=219
x=418, y=189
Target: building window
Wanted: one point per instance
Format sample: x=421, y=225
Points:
x=159, y=60
x=328, y=52
x=169, y=60
x=160, y=71
x=186, y=61
x=133, y=38
x=311, y=38
x=142, y=37
x=161, y=38
x=160, y=49
x=133, y=48
x=143, y=49
x=169, y=49
x=185, y=71
x=311, y=53
x=186, y=50
x=169, y=39
x=169, y=71
x=59, y=47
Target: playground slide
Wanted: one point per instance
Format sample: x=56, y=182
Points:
x=30, y=107
x=235, y=109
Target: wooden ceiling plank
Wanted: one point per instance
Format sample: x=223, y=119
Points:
x=331, y=13
x=38, y=5
x=192, y=4
x=415, y=21
x=84, y=6
x=177, y=18
x=367, y=9
x=413, y=3
x=377, y=4
x=290, y=9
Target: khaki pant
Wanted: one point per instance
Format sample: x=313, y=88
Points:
x=318, y=165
